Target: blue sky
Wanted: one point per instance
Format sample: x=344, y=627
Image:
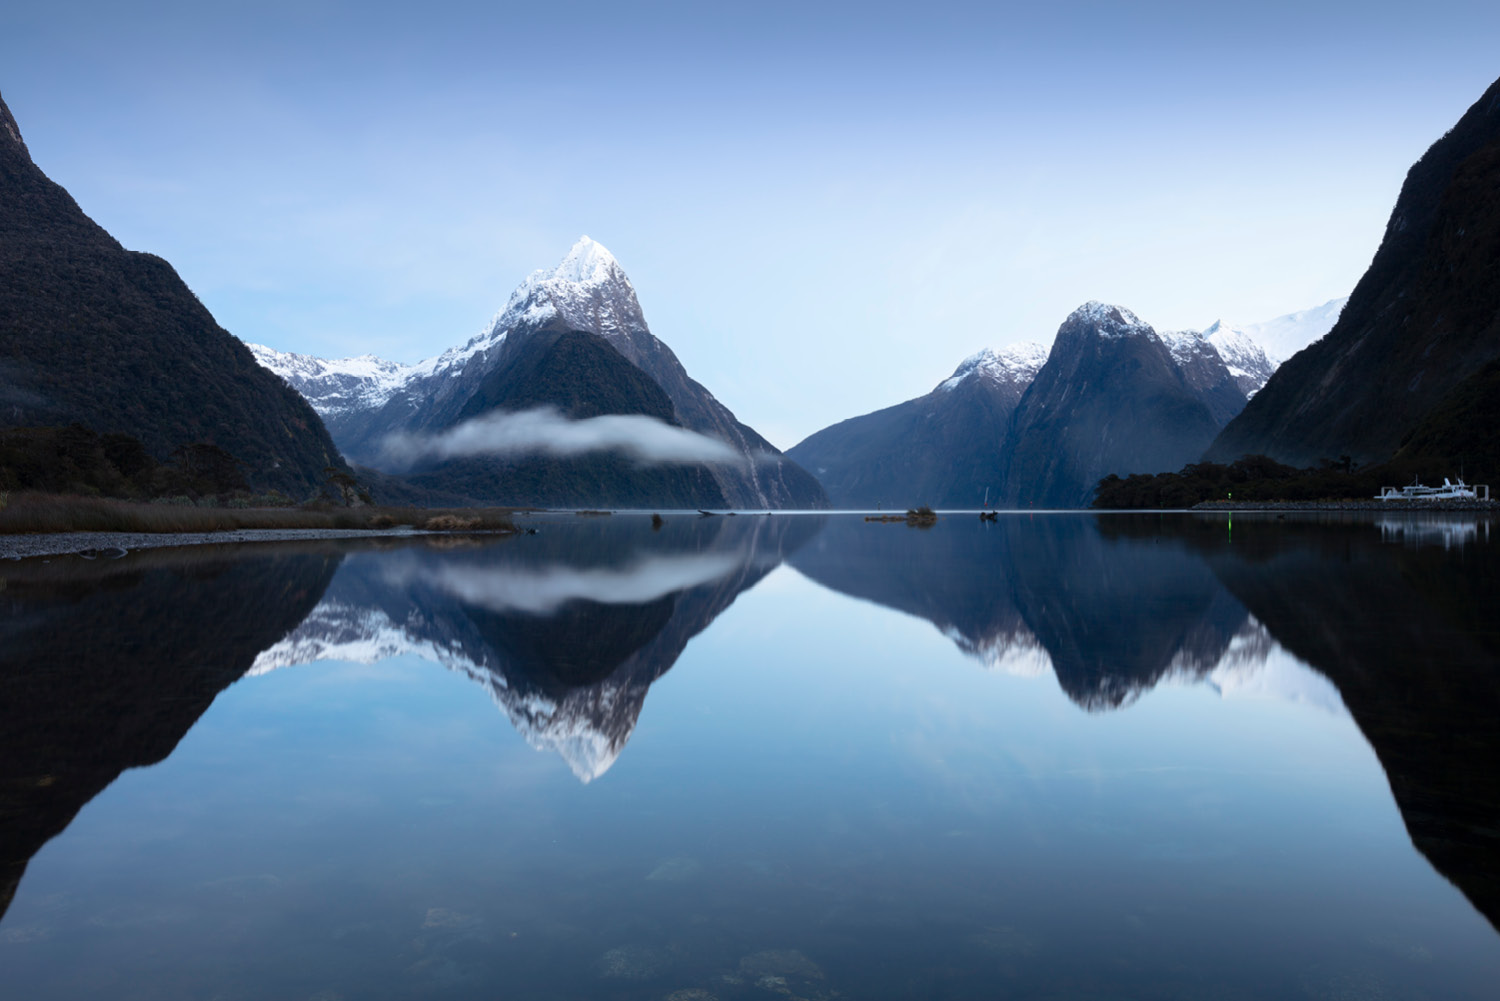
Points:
x=823, y=208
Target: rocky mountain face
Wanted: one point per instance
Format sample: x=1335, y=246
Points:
x=952, y=447
x=1112, y=398
x=1423, y=318
x=581, y=376
x=942, y=449
x=1249, y=364
x=112, y=339
x=1206, y=373
x=364, y=400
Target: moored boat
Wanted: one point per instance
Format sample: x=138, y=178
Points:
x=1450, y=490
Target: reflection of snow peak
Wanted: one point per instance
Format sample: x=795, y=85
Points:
x=1251, y=666
x=1019, y=654
x=336, y=631
x=541, y=592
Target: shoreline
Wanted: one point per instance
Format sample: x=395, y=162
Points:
x=1433, y=506
x=112, y=545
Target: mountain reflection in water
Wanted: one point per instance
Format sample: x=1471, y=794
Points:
x=105, y=665
x=1398, y=617
x=567, y=630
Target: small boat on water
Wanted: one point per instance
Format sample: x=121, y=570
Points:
x=1450, y=490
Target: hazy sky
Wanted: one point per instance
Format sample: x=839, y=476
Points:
x=823, y=208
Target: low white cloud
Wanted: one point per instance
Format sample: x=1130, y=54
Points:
x=544, y=431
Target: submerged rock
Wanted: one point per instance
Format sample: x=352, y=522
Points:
x=780, y=963
x=632, y=962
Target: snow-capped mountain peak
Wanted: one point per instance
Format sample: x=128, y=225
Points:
x=1017, y=364
x=587, y=261
x=1108, y=320
x=588, y=289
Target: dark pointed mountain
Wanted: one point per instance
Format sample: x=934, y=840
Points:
x=112, y=339
x=1110, y=399
x=581, y=375
x=1425, y=316
x=941, y=449
x=366, y=399
x=105, y=666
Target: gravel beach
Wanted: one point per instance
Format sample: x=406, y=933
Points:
x=116, y=544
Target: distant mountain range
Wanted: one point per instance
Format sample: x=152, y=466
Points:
x=1028, y=427
x=941, y=449
x=1420, y=336
x=99, y=335
x=587, y=307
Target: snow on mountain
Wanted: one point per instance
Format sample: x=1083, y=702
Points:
x=337, y=385
x=1247, y=363
x=1284, y=336
x=1110, y=321
x=365, y=400
x=588, y=289
x=1246, y=359
x=1017, y=365
x=1186, y=345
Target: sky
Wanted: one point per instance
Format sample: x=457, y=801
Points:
x=823, y=207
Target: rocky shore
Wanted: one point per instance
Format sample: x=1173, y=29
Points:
x=111, y=545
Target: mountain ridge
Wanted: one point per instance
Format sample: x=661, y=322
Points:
x=1424, y=316
x=114, y=339
x=367, y=399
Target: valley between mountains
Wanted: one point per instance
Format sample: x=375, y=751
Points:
x=116, y=381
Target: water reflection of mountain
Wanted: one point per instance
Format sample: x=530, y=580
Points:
x=1409, y=635
x=105, y=665
x=1112, y=617
x=567, y=629
x=1400, y=615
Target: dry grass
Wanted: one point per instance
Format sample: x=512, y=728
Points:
x=451, y=523
x=29, y=512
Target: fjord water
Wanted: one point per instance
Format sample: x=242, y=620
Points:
x=1060, y=756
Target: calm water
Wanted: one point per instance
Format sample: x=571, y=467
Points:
x=1066, y=756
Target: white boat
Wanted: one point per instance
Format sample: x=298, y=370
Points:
x=1450, y=490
